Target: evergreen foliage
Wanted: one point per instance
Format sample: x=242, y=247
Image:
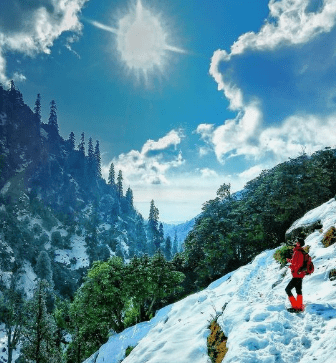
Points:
x=72, y=141
x=37, y=107
x=81, y=145
x=111, y=176
x=97, y=160
x=43, y=267
x=168, y=248
x=129, y=198
x=232, y=229
x=115, y=295
x=53, y=118
x=152, y=227
x=175, y=245
x=12, y=313
x=38, y=340
x=120, y=185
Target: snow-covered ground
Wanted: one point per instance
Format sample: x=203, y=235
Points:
x=251, y=305
x=77, y=253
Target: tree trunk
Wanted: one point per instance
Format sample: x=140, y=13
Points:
x=9, y=345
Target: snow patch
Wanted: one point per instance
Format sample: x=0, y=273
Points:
x=76, y=257
x=5, y=188
x=251, y=305
x=27, y=280
x=44, y=133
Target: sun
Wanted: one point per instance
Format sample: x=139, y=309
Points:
x=142, y=40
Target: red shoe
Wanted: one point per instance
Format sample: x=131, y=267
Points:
x=300, y=306
x=293, y=302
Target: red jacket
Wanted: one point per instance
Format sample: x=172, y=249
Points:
x=297, y=262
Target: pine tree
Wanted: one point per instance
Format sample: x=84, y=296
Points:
x=129, y=198
x=175, y=245
x=168, y=248
x=91, y=161
x=53, y=117
x=141, y=239
x=38, y=343
x=81, y=146
x=43, y=267
x=53, y=129
x=12, y=313
x=111, y=177
x=15, y=96
x=97, y=160
x=72, y=141
x=120, y=184
x=153, y=232
x=161, y=236
x=37, y=108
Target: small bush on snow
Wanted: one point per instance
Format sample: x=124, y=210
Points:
x=332, y=274
x=330, y=237
x=282, y=253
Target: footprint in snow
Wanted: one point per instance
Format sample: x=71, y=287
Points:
x=260, y=316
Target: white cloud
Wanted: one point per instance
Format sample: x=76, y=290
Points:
x=298, y=133
x=173, y=138
x=208, y=173
x=236, y=136
x=251, y=173
x=289, y=22
x=32, y=28
x=150, y=165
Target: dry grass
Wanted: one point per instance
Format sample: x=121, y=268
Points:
x=216, y=343
x=330, y=237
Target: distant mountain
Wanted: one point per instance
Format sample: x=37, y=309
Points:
x=180, y=230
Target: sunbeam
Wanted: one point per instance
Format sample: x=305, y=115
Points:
x=142, y=40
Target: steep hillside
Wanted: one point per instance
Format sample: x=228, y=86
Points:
x=53, y=199
x=250, y=307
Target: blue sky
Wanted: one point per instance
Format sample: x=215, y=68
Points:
x=182, y=95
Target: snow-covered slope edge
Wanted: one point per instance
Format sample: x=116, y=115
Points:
x=255, y=320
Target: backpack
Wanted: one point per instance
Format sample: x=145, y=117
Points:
x=308, y=265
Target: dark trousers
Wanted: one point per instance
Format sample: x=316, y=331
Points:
x=296, y=283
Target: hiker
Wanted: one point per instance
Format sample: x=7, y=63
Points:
x=296, y=282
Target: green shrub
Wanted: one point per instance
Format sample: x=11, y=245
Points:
x=129, y=350
x=330, y=237
x=37, y=229
x=282, y=253
x=56, y=239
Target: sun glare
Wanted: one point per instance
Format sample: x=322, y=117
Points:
x=142, y=40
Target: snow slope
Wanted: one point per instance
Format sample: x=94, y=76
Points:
x=251, y=304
